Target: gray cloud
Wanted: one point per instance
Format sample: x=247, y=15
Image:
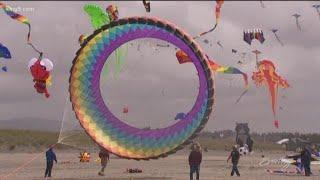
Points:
x=149, y=74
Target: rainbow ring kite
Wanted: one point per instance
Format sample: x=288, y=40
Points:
x=95, y=117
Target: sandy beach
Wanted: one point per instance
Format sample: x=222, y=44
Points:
x=213, y=166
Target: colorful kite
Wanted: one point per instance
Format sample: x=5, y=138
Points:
x=184, y=58
x=146, y=5
x=99, y=18
x=297, y=21
x=218, y=14
x=317, y=7
x=274, y=31
x=108, y=131
x=9, y=11
x=249, y=35
x=40, y=70
x=267, y=75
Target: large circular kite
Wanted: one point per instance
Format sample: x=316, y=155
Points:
x=104, y=127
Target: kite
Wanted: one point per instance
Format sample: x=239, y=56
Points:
x=4, y=68
x=262, y=5
x=113, y=12
x=4, y=53
x=219, y=44
x=146, y=5
x=40, y=71
x=249, y=35
x=274, y=31
x=9, y=11
x=125, y=110
x=297, y=21
x=184, y=58
x=234, y=51
x=267, y=75
x=206, y=41
x=218, y=14
x=257, y=52
x=98, y=18
x=162, y=45
x=99, y=122
x=180, y=116
x=317, y=7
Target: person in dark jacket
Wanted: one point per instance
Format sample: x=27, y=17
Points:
x=104, y=157
x=234, y=156
x=195, y=159
x=50, y=156
x=306, y=161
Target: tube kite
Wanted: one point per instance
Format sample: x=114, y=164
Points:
x=297, y=21
x=274, y=31
x=218, y=14
x=99, y=122
x=182, y=58
x=9, y=11
x=266, y=75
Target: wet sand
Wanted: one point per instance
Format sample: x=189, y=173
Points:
x=213, y=167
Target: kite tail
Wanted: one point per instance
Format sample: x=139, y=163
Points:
x=298, y=25
x=206, y=32
x=278, y=38
x=245, y=78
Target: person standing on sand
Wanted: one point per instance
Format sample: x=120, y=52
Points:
x=104, y=157
x=50, y=156
x=306, y=161
x=195, y=159
x=235, y=156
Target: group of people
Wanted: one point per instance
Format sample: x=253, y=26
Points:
x=51, y=157
x=195, y=158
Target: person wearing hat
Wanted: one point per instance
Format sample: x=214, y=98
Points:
x=234, y=156
x=195, y=158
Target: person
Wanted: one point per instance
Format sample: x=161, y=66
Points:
x=235, y=156
x=306, y=161
x=195, y=158
x=104, y=157
x=50, y=156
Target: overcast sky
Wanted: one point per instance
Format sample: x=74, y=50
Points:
x=152, y=83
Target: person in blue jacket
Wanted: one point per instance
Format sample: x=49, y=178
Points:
x=50, y=156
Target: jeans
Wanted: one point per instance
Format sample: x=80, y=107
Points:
x=307, y=169
x=194, y=169
x=235, y=169
x=49, y=168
